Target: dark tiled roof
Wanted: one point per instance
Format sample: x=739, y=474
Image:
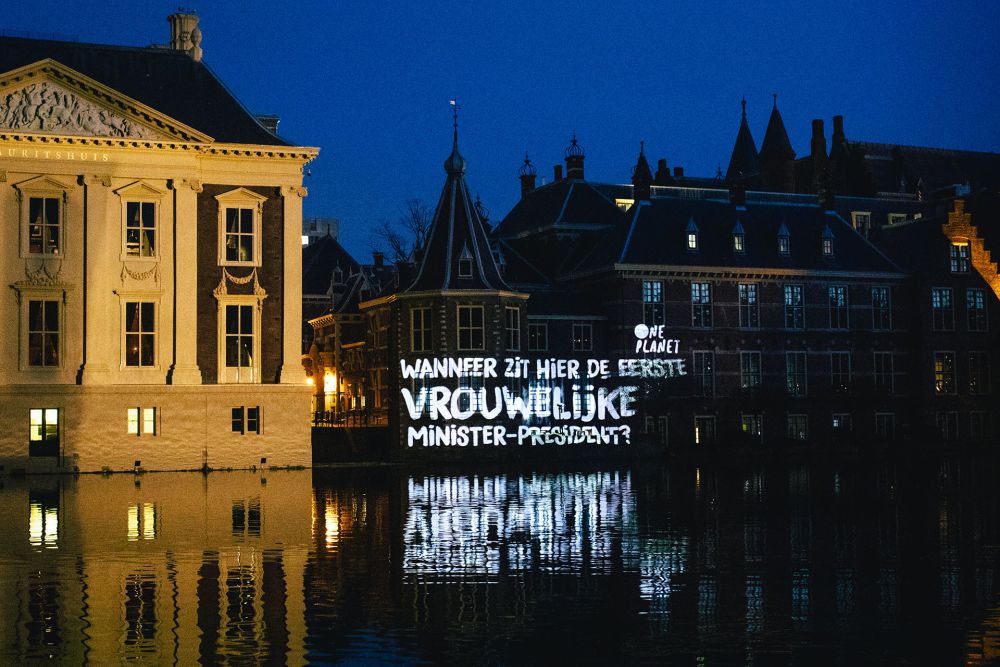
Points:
x=320, y=259
x=457, y=233
x=566, y=202
x=891, y=165
x=164, y=79
x=655, y=234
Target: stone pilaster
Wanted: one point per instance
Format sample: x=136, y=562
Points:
x=292, y=371
x=102, y=340
x=184, y=228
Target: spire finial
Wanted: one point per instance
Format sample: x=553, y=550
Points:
x=775, y=96
x=454, y=113
x=642, y=147
x=743, y=103
x=455, y=164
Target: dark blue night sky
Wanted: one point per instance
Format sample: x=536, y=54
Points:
x=369, y=82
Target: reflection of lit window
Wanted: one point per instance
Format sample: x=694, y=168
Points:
x=331, y=525
x=43, y=520
x=141, y=522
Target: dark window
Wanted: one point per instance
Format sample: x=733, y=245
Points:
x=960, y=257
x=749, y=310
x=652, y=302
x=583, y=338
x=239, y=336
x=751, y=425
x=975, y=301
x=140, y=333
x=704, y=429
x=798, y=427
x=246, y=419
x=43, y=226
x=979, y=372
x=239, y=235
x=140, y=229
x=885, y=425
x=538, y=337
x=795, y=310
x=943, y=314
x=883, y=373
x=840, y=371
x=947, y=424
x=704, y=373
x=420, y=329
x=795, y=373
x=701, y=305
x=465, y=268
x=470, y=327
x=838, y=306
x=43, y=333
x=513, y=328
x=881, y=309
x=750, y=377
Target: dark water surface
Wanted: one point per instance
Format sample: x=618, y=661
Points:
x=734, y=563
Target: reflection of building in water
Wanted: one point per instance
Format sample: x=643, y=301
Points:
x=461, y=526
x=159, y=568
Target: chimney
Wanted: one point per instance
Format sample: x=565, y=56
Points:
x=557, y=172
x=662, y=176
x=737, y=195
x=838, y=128
x=818, y=142
x=574, y=156
x=527, y=174
x=270, y=122
x=378, y=259
x=678, y=173
x=184, y=33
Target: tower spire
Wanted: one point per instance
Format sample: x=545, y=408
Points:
x=455, y=164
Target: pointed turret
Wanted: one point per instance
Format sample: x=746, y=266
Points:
x=457, y=254
x=642, y=176
x=743, y=162
x=777, y=158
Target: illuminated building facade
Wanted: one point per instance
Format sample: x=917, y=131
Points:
x=796, y=317
x=151, y=264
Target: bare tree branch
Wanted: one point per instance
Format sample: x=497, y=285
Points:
x=416, y=220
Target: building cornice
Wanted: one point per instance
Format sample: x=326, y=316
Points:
x=736, y=272
x=465, y=293
x=31, y=146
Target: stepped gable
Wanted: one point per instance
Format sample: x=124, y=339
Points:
x=167, y=80
x=457, y=239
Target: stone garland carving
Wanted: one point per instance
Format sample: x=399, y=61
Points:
x=153, y=273
x=46, y=107
x=222, y=289
x=41, y=277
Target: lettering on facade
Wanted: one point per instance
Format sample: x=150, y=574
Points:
x=46, y=154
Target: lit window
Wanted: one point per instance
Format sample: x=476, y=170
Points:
x=43, y=333
x=141, y=421
x=738, y=243
x=240, y=213
x=140, y=333
x=582, y=338
x=944, y=372
x=43, y=432
x=841, y=422
x=44, y=225
x=704, y=429
x=470, y=327
x=960, y=257
x=538, y=337
x=827, y=247
x=896, y=218
x=862, y=221
x=140, y=229
x=240, y=342
x=751, y=425
x=246, y=420
x=691, y=232
x=513, y=327
x=420, y=329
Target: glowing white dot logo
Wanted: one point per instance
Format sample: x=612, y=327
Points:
x=641, y=331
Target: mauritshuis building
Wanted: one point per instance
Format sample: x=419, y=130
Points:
x=150, y=263
x=845, y=296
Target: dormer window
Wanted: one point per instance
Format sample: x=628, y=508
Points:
x=739, y=239
x=465, y=268
x=827, y=242
x=691, y=233
x=338, y=276
x=784, y=244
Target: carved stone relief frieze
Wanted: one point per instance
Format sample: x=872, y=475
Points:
x=47, y=107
